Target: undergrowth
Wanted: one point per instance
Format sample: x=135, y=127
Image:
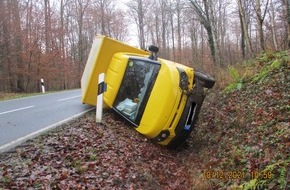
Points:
x=255, y=71
x=245, y=128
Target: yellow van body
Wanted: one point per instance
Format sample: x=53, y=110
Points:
x=166, y=103
x=159, y=97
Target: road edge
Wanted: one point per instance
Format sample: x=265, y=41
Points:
x=8, y=146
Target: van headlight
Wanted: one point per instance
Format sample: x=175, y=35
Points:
x=183, y=79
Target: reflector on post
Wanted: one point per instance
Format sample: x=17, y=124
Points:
x=102, y=87
x=42, y=85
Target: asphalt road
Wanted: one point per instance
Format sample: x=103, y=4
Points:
x=24, y=118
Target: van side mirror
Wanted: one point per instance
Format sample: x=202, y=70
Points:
x=154, y=50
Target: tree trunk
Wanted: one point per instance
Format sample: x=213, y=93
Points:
x=102, y=7
x=172, y=35
x=138, y=10
x=141, y=24
x=202, y=42
x=260, y=20
x=206, y=22
x=245, y=27
x=9, y=66
x=260, y=25
x=163, y=28
x=208, y=28
x=273, y=25
x=62, y=44
x=47, y=24
x=215, y=33
x=287, y=3
x=18, y=47
x=179, y=30
x=157, y=29
x=194, y=44
x=243, y=45
x=82, y=6
x=156, y=20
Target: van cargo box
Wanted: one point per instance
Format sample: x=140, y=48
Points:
x=101, y=53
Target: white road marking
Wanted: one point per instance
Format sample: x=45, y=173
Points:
x=16, y=110
x=32, y=135
x=68, y=98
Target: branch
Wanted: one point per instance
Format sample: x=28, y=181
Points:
x=259, y=13
x=266, y=7
x=200, y=13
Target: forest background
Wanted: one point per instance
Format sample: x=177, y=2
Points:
x=51, y=39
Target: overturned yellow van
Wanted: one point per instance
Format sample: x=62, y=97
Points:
x=160, y=98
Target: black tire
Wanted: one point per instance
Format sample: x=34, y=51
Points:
x=205, y=80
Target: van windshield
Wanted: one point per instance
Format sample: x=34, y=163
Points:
x=135, y=89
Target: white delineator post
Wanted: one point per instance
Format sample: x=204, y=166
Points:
x=42, y=85
x=102, y=87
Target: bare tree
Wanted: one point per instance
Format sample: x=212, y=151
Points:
x=118, y=25
x=80, y=7
x=179, y=7
x=62, y=43
x=138, y=10
x=154, y=25
x=273, y=24
x=18, y=47
x=164, y=13
x=102, y=9
x=193, y=31
x=260, y=19
x=7, y=75
x=244, y=25
x=287, y=5
x=171, y=15
x=214, y=16
x=204, y=18
x=47, y=24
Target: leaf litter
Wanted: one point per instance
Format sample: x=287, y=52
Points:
x=87, y=155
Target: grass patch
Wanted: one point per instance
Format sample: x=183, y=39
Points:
x=8, y=96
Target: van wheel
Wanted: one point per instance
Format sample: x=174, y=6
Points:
x=205, y=80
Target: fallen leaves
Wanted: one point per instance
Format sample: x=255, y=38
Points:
x=86, y=155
